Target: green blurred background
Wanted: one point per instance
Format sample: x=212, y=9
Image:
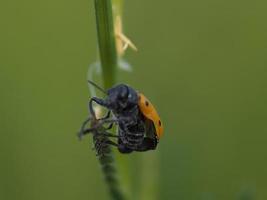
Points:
x=202, y=63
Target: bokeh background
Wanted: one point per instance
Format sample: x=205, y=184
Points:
x=202, y=63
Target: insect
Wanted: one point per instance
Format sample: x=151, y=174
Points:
x=139, y=125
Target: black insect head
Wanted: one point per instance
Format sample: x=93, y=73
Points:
x=121, y=98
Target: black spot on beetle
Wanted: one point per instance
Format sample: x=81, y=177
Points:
x=159, y=123
x=147, y=104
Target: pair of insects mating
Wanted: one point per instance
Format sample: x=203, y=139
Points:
x=139, y=125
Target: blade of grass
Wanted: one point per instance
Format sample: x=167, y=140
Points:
x=108, y=60
x=106, y=41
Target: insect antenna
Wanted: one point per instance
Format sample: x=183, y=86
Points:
x=97, y=86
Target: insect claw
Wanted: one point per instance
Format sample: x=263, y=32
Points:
x=80, y=135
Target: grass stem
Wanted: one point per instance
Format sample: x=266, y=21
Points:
x=106, y=41
x=108, y=60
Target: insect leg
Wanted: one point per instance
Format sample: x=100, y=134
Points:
x=107, y=116
x=108, y=121
x=98, y=101
x=148, y=144
x=100, y=145
x=98, y=125
x=111, y=143
x=110, y=126
x=81, y=132
x=86, y=131
x=122, y=148
x=108, y=134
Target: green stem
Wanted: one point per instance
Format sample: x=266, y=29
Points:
x=106, y=160
x=108, y=59
x=106, y=41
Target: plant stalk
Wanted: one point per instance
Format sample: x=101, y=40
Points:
x=108, y=60
x=106, y=41
x=106, y=13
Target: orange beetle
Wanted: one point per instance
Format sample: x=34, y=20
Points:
x=139, y=125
